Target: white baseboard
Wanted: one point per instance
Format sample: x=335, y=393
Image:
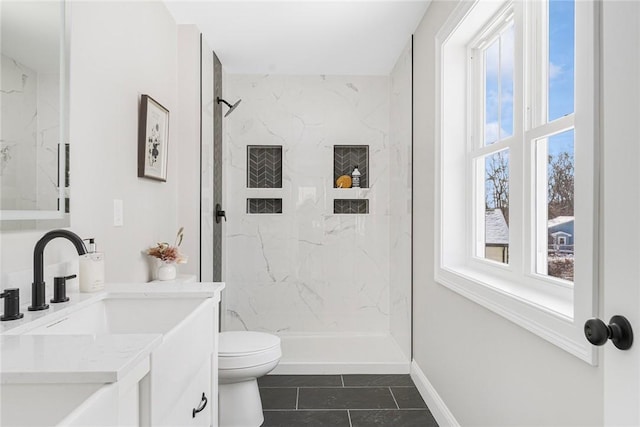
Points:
x=436, y=405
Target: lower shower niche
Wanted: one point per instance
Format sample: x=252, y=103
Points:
x=264, y=206
x=351, y=206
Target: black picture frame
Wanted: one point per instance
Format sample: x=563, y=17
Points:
x=153, y=139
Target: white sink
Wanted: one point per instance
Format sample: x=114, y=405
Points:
x=123, y=316
x=178, y=319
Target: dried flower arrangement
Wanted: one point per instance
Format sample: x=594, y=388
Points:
x=166, y=253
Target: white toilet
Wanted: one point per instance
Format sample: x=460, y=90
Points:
x=243, y=357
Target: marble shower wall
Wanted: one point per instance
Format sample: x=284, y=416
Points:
x=18, y=132
x=29, y=135
x=307, y=270
x=400, y=199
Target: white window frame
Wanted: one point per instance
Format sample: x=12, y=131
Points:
x=476, y=141
x=551, y=308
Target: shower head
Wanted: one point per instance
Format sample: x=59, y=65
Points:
x=231, y=107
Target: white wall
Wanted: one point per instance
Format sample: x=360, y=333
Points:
x=307, y=270
x=400, y=200
x=189, y=156
x=487, y=370
x=120, y=50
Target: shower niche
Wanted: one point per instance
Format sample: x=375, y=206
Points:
x=345, y=158
x=264, y=206
x=264, y=171
x=264, y=166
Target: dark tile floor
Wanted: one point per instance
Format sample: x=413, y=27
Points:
x=342, y=401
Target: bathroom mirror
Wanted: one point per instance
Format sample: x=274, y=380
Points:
x=34, y=143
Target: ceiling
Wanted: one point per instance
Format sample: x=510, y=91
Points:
x=304, y=37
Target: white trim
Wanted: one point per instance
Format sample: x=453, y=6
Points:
x=436, y=405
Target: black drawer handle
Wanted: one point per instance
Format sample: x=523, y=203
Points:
x=203, y=404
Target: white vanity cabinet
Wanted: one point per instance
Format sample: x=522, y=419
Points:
x=194, y=406
x=181, y=370
x=134, y=355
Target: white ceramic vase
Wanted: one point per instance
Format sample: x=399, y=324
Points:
x=167, y=271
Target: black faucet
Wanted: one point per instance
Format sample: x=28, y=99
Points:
x=38, y=285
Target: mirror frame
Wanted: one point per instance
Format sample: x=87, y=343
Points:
x=15, y=220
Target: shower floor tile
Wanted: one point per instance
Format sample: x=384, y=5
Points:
x=343, y=400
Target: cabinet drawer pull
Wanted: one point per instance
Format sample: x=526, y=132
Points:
x=203, y=404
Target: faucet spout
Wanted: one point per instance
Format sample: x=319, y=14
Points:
x=38, y=285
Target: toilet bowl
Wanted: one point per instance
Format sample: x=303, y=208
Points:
x=243, y=357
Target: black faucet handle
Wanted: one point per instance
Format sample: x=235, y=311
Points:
x=60, y=289
x=11, y=304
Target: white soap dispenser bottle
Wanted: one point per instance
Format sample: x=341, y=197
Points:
x=91, y=275
x=355, y=177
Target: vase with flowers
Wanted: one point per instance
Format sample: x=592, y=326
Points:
x=168, y=257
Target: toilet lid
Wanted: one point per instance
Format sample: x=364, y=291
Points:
x=245, y=342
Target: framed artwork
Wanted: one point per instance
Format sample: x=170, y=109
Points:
x=153, y=139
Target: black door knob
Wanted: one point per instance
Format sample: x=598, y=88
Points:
x=220, y=213
x=618, y=330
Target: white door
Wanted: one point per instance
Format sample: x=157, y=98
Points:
x=620, y=207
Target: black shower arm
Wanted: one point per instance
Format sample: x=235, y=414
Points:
x=219, y=100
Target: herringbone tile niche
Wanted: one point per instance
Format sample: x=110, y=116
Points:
x=346, y=157
x=264, y=166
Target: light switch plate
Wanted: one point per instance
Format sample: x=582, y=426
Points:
x=118, y=213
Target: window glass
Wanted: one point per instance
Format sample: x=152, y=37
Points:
x=556, y=232
x=492, y=96
x=496, y=211
x=561, y=74
x=498, y=99
x=506, y=82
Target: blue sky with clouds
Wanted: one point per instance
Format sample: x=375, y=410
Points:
x=561, y=70
x=499, y=77
x=499, y=60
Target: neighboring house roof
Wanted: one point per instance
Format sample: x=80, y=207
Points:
x=559, y=220
x=560, y=233
x=496, y=231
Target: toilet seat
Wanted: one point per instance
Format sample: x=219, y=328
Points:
x=246, y=349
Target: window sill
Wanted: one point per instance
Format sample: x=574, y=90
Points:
x=544, y=310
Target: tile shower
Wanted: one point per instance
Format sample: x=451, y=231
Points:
x=325, y=268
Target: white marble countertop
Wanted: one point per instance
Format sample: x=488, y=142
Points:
x=78, y=300
x=46, y=359
x=84, y=358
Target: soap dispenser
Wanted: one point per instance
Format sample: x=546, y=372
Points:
x=91, y=274
x=355, y=177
